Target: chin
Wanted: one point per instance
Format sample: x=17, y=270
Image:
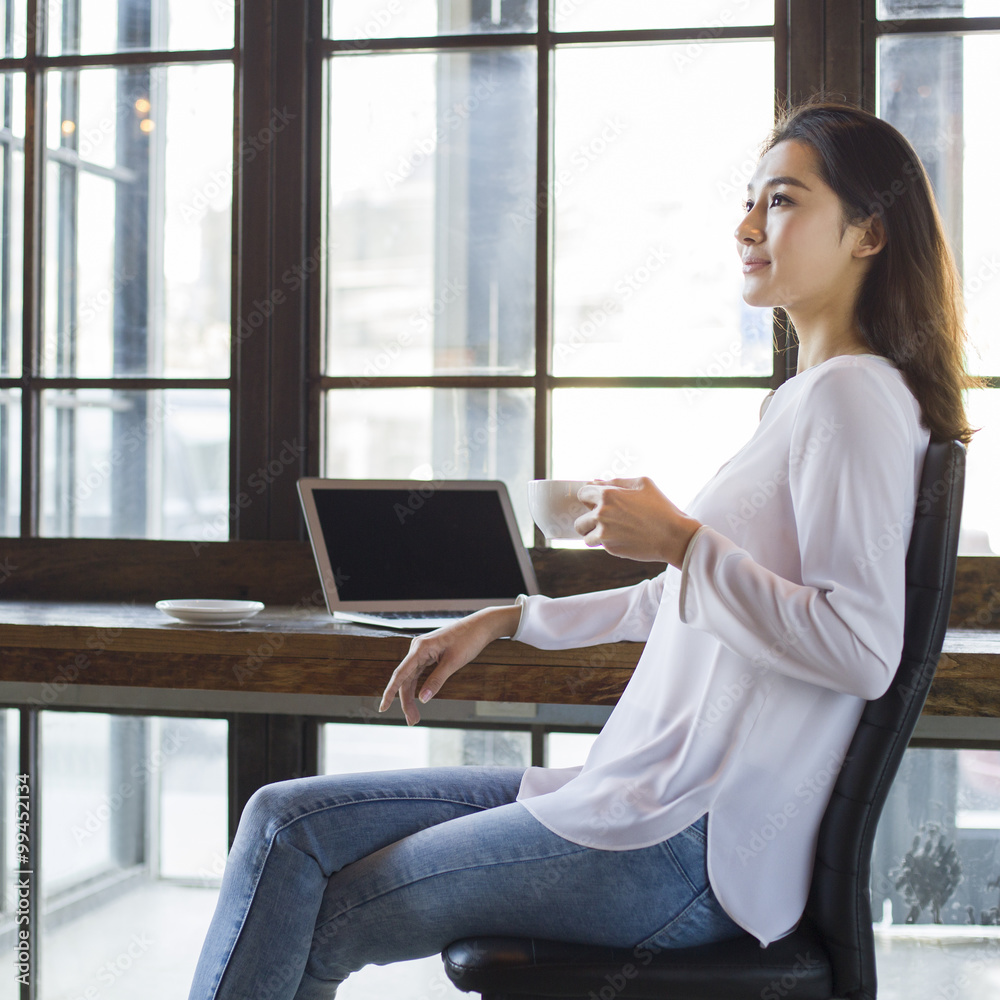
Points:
x=752, y=298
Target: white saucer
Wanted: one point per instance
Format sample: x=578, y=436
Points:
x=208, y=612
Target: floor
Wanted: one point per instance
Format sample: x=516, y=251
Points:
x=144, y=946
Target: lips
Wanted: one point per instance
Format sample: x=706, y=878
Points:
x=752, y=264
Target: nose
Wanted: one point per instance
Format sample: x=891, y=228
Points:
x=748, y=232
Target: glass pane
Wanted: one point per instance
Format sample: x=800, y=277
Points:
x=567, y=749
x=899, y=10
x=350, y=748
x=14, y=31
x=189, y=763
x=81, y=768
x=10, y=464
x=647, y=194
x=139, y=199
x=434, y=434
x=619, y=15
x=88, y=26
x=12, y=857
x=11, y=220
x=937, y=90
x=431, y=180
x=365, y=19
x=607, y=433
x=125, y=464
x=980, y=513
x=939, y=839
x=110, y=796
x=981, y=259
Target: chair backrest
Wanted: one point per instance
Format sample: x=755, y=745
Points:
x=839, y=903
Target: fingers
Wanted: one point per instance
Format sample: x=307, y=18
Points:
x=591, y=493
x=598, y=495
x=424, y=651
x=411, y=711
x=404, y=679
x=435, y=680
x=447, y=649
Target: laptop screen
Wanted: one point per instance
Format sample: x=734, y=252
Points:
x=395, y=544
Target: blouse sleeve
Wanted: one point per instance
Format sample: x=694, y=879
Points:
x=852, y=486
x=625, y=613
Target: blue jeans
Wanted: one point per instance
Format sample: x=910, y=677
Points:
x=331, y=873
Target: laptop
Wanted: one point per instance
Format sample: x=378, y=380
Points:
x=413, y=554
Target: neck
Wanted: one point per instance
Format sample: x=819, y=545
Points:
x=822, y=338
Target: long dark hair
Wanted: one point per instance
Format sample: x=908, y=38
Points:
x=909, y=307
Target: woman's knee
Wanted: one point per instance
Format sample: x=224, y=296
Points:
x=272, y=807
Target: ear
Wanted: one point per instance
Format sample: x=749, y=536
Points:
x=871, y=237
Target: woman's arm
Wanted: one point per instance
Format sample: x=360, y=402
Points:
x=625, y=613
x=852, y=485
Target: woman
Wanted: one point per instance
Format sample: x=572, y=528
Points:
x=694, y=818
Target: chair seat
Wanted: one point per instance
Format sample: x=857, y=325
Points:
x=797, y=966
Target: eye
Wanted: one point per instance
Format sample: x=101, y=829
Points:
x=780, y=199
x=746, y=205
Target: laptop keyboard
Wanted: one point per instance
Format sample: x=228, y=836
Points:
x=407, y=615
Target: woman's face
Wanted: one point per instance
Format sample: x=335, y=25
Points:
x=796, y=250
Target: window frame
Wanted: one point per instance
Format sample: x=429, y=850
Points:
x=276, y=383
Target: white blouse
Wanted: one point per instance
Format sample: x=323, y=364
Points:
x=760, y=651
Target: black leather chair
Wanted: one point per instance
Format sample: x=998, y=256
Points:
x=832, y=954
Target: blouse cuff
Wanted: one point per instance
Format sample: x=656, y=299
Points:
x=685, y=572
x=522, y=621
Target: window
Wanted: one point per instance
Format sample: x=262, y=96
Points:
x=934, y=79
x=120, y=380
x=353, y=747
x=936, y=875
x=132, y=829
x=517, y=240
x=492, y=241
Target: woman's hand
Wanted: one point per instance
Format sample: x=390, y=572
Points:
x=633, y=519
x=451, y=648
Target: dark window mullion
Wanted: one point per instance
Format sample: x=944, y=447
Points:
x=544, y=382
x=32, y=308
x=317, y=228
x=134, y=214
x=869, y=55
x=6, y=216
x=543, y=256
x=64, y=417
x=543, y=37
x=132, y=384
x=782, y=358
x=937, y=25
x=107, y=60
x=295, y=257
x=254, y=184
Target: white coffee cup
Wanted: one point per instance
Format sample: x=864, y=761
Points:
x=554, y=506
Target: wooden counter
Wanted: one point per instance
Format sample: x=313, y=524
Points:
x=299, y=650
